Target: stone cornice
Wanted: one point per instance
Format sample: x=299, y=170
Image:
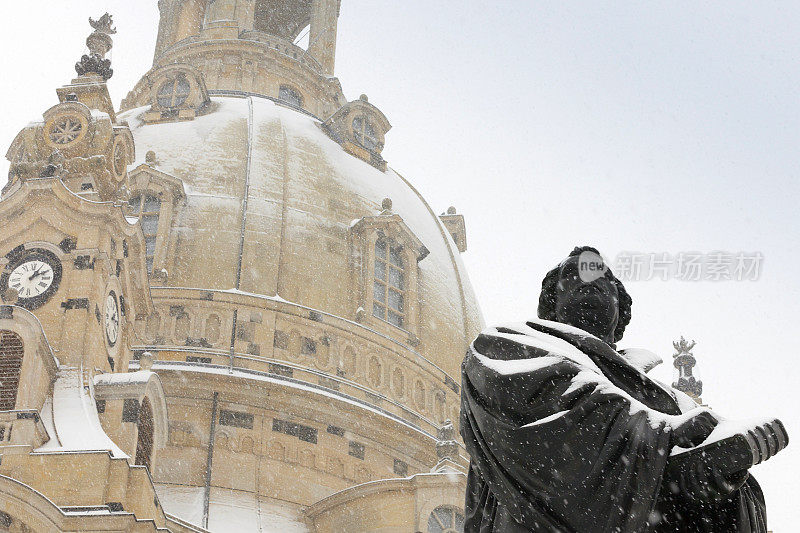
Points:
x=370, y=488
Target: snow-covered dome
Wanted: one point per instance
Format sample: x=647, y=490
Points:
x=304, y=309
x=272, y=199
x=306, y=296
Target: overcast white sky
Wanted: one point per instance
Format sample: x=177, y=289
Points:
x=630, y=126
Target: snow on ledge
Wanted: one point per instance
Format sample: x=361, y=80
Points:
x=74, y=418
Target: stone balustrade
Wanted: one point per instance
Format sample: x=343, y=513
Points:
x=293, y=342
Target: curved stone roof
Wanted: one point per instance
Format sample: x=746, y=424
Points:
x=305, y=194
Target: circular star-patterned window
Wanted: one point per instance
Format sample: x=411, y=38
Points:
x=65, y=130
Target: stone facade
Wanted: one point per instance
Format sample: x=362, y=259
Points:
x=221, y=308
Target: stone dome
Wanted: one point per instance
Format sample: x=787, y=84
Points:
x=270, y=208
x=304, y=309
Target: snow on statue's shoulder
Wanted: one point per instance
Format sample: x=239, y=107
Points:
x=517, y=366
x=565, y=328
x=525, y=334
x=641, y=359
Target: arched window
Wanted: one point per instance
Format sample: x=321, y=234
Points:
x=144, y=442
x=365, y=133
x=174, y=92
x=147, y=207
x=389, y=284
x=446, y=519
x=11, y=352
x=290, y=96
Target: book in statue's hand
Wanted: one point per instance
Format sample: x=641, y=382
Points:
x=731, y=453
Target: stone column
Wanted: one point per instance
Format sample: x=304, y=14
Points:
x=164, y=19
x=322, y=38
x=190, y=20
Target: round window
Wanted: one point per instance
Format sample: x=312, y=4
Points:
x=174, y=92
x=446, y=519
x=66, y=130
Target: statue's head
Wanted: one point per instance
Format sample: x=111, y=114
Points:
x=582, y=292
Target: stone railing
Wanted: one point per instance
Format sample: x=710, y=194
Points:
x=292, y=341
x=271, y=42
x=283, y=47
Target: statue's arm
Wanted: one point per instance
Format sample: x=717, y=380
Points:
x=694, y=429
x=718, y=466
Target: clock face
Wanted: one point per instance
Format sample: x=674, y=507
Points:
x=112, y=318
x=31, y=278
x=34, y=275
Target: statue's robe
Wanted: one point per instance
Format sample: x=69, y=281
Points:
x=567, y=435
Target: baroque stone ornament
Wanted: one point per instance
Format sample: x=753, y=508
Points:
x=54, y=166
x=684, y=361
x=103, y=24
x=99, y=44
x=563, y=429
x=94, y=64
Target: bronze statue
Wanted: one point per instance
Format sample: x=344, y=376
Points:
x=568, y=435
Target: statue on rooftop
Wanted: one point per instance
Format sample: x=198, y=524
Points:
x=567, y=434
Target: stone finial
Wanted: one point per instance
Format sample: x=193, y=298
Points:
x=684, y=362
x=146, y=361
x=103, y=24
x=99, y=44
x=451, y=210
x=386, y=206
x=364, y=98
x=682, y=346
x=150, y=158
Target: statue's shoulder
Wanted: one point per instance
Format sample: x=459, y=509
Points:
x=512, y=341
x=535, y=338
x=641, y=359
